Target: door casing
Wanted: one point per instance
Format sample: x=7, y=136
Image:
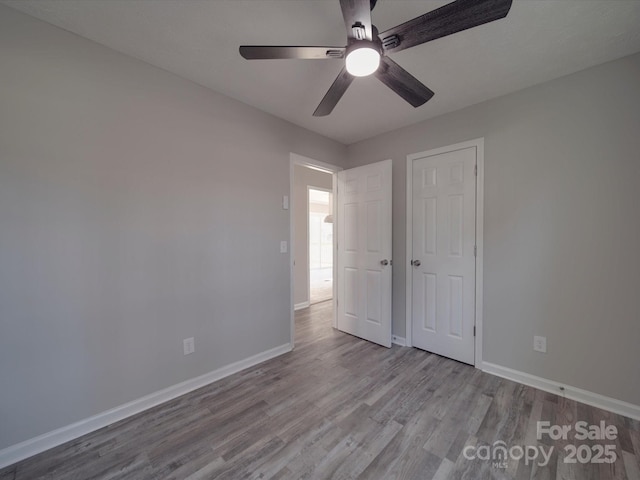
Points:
x=478, y=143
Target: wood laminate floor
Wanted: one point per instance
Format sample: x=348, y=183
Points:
x=336, y=408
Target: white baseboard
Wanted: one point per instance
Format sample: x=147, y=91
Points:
x=33, y=446
x=399, y=340
x=300, y=306
x=574, y=393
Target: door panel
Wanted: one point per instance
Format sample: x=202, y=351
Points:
x=364, y=242
x=443, y=291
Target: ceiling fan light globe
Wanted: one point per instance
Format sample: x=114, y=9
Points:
x=362, y=61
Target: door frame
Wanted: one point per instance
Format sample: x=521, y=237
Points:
x=478, y=143
x=301, y=160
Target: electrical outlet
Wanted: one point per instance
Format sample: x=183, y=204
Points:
x=188, y=346
x=283, y=246
x=540, y=344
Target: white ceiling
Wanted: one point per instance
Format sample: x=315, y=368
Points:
x=198, y=39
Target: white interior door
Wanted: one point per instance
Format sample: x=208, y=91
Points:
x=364, y=252
x=443, y=256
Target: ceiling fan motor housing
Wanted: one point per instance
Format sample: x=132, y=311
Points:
x=358, y=44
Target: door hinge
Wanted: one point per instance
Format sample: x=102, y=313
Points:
x=475, y=170
x=474, y=330
x=475, y=250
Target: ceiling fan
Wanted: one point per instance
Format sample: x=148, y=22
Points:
x=367, y=50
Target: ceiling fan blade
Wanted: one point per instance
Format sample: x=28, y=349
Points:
x=357, y=18
x=451, y=18
x=402, y=82
x=334, y=94
x=266, y=52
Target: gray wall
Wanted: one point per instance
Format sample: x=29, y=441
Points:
x=304, y=177
x=136, y=209
x=561, y=228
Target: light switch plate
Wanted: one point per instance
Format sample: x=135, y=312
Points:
x=283, y=246
x=188, y=345
x=285, y=202
x=540, y=344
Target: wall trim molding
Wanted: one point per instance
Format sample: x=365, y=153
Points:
x=399, y=340
x=33, y=446
x=574, y=393
x=301, y=305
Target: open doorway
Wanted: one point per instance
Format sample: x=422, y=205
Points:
x=320, y=222
x=313, y=246
x=312, y=238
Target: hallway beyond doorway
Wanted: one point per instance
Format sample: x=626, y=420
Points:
x=321, y=284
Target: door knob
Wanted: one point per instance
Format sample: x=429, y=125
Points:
x=415, y=263
x=384, y=262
